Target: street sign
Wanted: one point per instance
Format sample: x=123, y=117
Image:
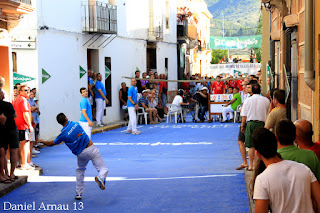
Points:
x=27, y=38
x=23, y=45
x=18, y=78
x=108, y=72
x=45, y=76
x=82, y=72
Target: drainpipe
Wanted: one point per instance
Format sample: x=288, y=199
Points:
x=309, y=72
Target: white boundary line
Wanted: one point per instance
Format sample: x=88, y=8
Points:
x=47, y=179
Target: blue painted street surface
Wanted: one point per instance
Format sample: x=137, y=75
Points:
x=168, y=168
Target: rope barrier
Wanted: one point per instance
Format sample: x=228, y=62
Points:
x=211, y=80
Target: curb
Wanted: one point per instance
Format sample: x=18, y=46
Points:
x=107, y=128
x=7, y=188
x=247, y=178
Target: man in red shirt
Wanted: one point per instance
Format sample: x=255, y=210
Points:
x=304, y=136
x=218, y=86
x=24, y=125
x=239, y=83
x=232, y=83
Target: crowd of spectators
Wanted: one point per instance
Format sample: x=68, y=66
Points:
x=19, y=128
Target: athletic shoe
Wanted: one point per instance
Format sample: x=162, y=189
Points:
x=100, y=182
x=100, y=125
x=78, y=196
x=34, y=151
x=128, y=131
x=39, y=144
x=136, y=132
x=27, y=167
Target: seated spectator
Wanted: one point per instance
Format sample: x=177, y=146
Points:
x=123, y=96
x=177, y=103
x=230, y=90
x=231, y=106
x=153, y=104
x=304, y=137
x=280, y=113
x=202, y=98
x=286, y=134
x=143, y=102
x=284, y=185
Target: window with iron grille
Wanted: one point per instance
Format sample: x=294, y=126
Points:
x=99, y=17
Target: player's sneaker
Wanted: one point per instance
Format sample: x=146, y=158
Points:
x=78, y=196
x=136, y=132
x=100, y=182
x=128, y=131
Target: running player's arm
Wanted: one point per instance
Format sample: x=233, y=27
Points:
x=48, y=143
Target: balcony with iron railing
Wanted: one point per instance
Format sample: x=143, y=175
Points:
x=99, y=17
x=155, y=27
x=15, y=7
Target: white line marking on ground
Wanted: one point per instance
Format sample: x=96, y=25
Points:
x=48, y=179
x=152, y=144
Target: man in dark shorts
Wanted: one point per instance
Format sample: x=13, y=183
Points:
x=9, y=138
x=241, y=140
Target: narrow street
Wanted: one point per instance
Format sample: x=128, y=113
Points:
x=168, y=168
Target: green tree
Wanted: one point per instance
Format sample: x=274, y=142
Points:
x=217, y=55
x=258, y=54
x=259, y=27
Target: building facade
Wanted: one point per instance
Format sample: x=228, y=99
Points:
x=193, y=22
x=114, y=38
x=294, y=59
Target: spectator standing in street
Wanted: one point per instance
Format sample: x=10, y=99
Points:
x=9, y=138
x=284, y=185
x=254, y=113
x=35, y=118
x=24, y=125
x=132, y=107
x=123, y=96
x=101, y=99
x=86, y=112
x=280, y=113
x=304, y=137
x=286, y=134
x=218, y=86
x=139, y=86
x=79, y=143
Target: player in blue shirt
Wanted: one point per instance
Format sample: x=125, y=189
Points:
x=80, y=145
x=132, y=107
x=86, y=112
x=100, y=98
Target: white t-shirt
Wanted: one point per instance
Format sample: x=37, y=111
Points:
x=255, y=108
x=176, y=102
x=287, y=186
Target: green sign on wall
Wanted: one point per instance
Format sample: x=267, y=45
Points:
x=18, y=78
x=45, y=76
x=108, y=72
x=242, y=42
x=82, y=72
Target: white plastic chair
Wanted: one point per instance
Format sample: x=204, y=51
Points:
x=236, y=113
x=173, y=110
x=141, y=114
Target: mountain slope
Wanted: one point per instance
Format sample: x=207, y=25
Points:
x=240, y=17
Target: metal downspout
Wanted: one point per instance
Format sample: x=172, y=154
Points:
x=309, y=72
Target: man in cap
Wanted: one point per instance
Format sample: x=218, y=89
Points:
x=202, y=98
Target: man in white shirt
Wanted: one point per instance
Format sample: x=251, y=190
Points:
x=286, y=186
x=178, y=102
x=254, y=112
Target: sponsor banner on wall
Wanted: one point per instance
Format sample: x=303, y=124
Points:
x=220, y=97
x=233, y=68
x=241, y=42
x=45, y=76
x=82, y=72
x=18, y=78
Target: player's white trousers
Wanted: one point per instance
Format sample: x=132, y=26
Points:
x=90, y=153
x=132, y=119
x=87, y=129
x=226, y=110
x=99, y=110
